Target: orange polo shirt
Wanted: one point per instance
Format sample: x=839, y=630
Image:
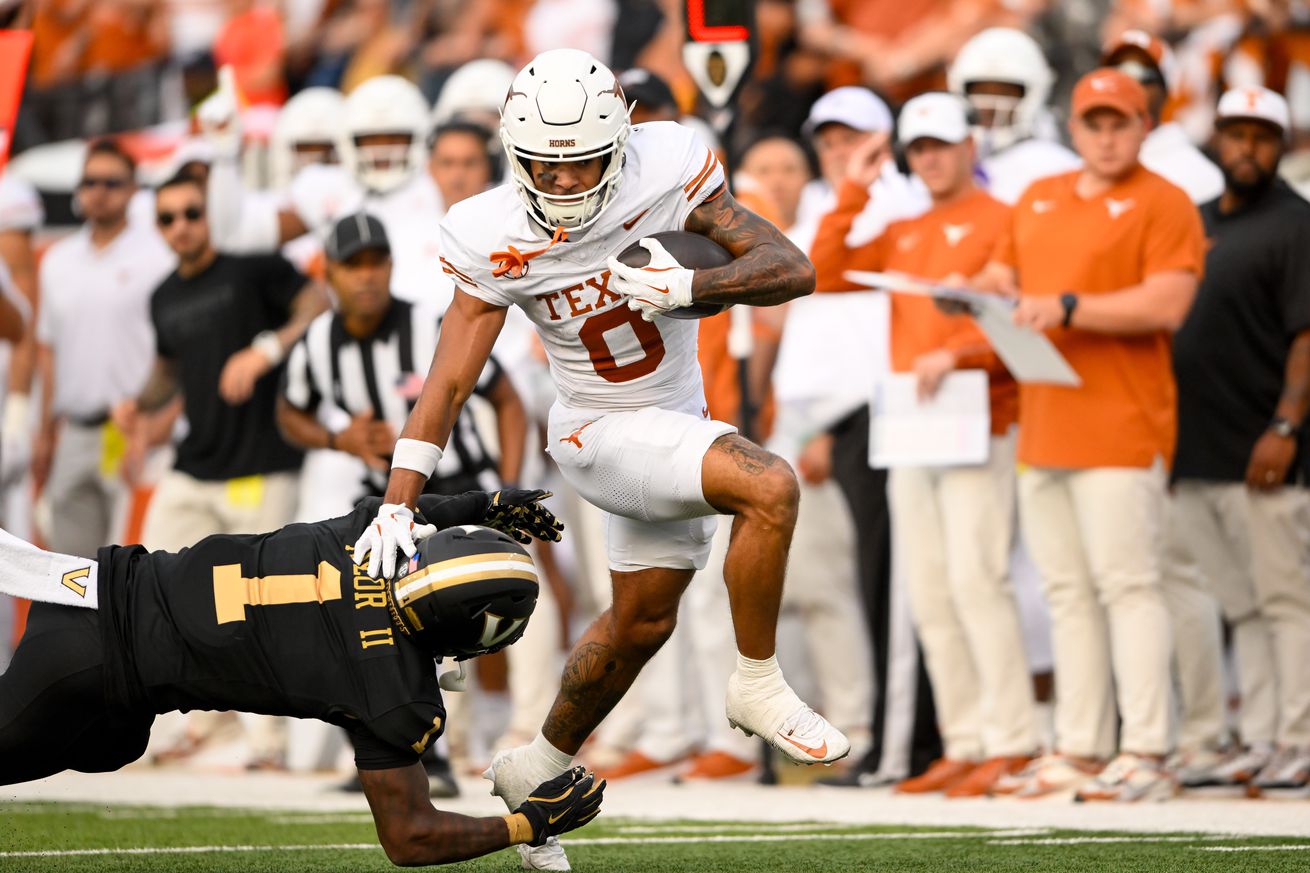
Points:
x=956, y=238
x=1124, y=413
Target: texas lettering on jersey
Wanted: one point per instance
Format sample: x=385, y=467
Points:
x=603, y=356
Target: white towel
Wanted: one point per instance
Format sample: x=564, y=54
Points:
x=46, y=577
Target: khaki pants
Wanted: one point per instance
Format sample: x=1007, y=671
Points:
x=953, y=527
x=1246, y=550
x=185, y=510
x=822, y=588
x=1096, y=536
x=88, y=501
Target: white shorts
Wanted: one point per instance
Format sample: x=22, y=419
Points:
x=643, y=470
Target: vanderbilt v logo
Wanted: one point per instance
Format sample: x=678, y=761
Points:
x=491, y=633
x=70, y=581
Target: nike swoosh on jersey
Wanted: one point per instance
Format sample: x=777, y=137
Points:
x=817, y=752
x=628, y=225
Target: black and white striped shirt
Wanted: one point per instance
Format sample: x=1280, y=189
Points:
x=383, y=373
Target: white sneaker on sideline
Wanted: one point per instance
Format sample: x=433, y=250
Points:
x=1130, y=778
x=785, y=722
x=1288, y=768
x=1242, y=766
x=548, y=857
x=1196, y=768
x=512, y=785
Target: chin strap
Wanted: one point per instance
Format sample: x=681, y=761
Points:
x=453, y=680
x=515, y=263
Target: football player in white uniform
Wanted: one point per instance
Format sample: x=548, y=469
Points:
x=1004, y=76
x=306, y=132
x=383, y=150
x=630, y=430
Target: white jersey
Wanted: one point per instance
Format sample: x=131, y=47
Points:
x=1169, y=153
x=322, y=193
x=602, y=355
x=1007, y=174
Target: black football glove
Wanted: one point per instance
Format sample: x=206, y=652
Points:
x=520, y=514
x=568, y=801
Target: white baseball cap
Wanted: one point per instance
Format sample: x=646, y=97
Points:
x=936, y=115
x=853, y=106
x=1255, y=103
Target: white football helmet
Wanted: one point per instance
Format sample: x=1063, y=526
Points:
x=478, y=87
x=311, y=117
x=1003, y=54
x=565, y=106
x=384, y=105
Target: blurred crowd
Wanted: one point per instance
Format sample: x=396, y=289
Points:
x=229, y=384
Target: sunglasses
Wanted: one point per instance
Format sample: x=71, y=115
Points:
x=191, y=213
x=109, y=183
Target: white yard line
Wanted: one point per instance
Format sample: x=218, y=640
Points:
x=710, y=804
x=1288, y=848
x=584, y=841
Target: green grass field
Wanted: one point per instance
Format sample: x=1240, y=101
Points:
x=81, y=837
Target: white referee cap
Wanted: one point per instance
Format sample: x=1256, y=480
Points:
x=1255, y=104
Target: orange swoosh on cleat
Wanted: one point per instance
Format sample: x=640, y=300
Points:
x=819, y=752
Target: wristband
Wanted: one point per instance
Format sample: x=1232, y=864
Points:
x=416, y=455
x=520, y=830
x=268, y=345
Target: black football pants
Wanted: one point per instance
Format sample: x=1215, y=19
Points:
x=53, y=712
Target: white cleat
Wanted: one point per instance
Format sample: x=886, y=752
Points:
x=548, y=857
x=785, y=722
x=512, y=786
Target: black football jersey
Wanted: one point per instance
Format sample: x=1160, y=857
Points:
x=282, y=623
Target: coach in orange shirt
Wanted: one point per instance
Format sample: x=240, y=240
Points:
x=952, y=526
x=1107, y=260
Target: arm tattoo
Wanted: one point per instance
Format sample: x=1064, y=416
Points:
x=160, y=388
x=595, y=679
x=749, y=458
x=767, y=268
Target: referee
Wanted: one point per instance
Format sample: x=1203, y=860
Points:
x=363, y=358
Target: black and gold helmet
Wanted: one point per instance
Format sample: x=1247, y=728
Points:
x=468, y=591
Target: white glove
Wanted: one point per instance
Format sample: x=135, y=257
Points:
x=654, y=289
x=392, y=529
x=219, y=116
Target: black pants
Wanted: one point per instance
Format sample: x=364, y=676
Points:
x=865, y=490
x=53, y=712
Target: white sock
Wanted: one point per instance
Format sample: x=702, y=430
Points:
x=761, y=676
x=548, y=760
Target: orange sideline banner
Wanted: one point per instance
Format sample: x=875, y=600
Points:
x=15, y=49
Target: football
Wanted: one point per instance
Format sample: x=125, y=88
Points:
x=690, y=250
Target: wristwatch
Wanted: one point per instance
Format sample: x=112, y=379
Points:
x=1068, y=302
x=1282, y=427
